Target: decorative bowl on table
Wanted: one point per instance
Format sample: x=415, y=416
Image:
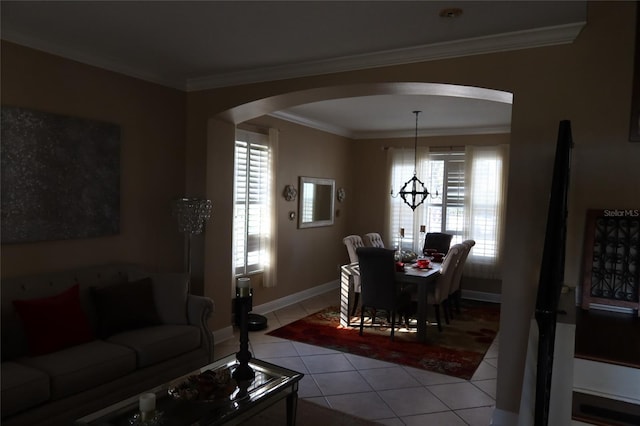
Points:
x=406, y=256
x=206, y=386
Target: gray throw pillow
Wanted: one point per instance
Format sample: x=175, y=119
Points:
x=170, y=292
x=126, y=306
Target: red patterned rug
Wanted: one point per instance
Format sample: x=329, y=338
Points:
x=456, y=351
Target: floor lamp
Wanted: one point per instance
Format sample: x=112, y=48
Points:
x=192, y=213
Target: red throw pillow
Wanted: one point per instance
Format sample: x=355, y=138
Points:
x=54, y=323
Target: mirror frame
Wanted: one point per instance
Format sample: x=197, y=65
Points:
x=302, y=196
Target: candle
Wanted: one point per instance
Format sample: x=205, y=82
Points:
x=147, y=402
x=402, y=232
x=422, y=228
x=243, y=287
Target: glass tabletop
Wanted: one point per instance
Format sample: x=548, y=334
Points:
x=213, y=409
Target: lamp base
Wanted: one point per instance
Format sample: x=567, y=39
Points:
x=256, y=322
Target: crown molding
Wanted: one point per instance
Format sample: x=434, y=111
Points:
x=436, y=131
x=539, y=37
x=391, y=134
x=526, y=39
x=318, y=125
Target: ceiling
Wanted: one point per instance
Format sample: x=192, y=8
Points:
x=195, y=45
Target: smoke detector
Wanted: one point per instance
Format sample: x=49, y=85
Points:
x=451, y=12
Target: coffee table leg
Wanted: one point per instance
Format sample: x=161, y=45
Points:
x=292, y=407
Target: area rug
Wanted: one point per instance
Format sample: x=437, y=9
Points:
x=456, y=351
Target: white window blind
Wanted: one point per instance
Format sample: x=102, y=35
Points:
x=445, y=213
x=252, y=204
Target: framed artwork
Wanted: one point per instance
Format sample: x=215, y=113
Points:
x=60, y=177
x=610, y=273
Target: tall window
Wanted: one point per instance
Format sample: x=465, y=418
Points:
x=469, y=204
x=445, y=213
x=252, y=203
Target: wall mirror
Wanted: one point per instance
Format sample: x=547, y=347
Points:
x=316, y=202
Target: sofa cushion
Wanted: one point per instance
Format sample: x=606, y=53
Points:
x=22, y=387
x=170, y=292
x=54, y=323
x=126, y=306
x=156, y=344
x=82, y=367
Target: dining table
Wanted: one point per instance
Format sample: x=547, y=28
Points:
x=422, y=278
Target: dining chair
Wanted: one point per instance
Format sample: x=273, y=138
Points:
x=379, y=289
x=455, y=291
x=438, y=295
x=353, y=242
x=373, y=239
x=437, y=241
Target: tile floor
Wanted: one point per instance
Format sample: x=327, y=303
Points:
x=389, y=394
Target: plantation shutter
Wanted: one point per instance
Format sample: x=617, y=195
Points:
x=251, y=202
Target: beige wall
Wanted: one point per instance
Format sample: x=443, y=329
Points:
x=588, y=82
x=152, y=120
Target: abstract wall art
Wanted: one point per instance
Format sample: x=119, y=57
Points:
x=60, y=177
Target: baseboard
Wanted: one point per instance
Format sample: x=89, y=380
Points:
x=294, y=298
x=611, y=308
x=222, y=334
x=481, y=296
x=226, y=333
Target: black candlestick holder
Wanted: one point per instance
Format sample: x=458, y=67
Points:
x=244, y=372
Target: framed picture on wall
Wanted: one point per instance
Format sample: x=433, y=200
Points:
x=60, y=177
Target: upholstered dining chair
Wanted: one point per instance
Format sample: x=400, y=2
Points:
x=438, y=295
x=353, y=242
x=437, y=241
x=456, y=289
x=373, y=239
x=379, y=289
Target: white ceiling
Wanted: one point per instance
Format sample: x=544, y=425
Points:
x=193, y=45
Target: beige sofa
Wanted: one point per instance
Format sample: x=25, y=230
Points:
x=139, y=330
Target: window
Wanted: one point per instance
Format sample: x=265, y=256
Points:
x=445, y=212
x=252, y=203
x=443, y=173
x=469, y=204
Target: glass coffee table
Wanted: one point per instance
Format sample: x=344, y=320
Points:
x=230, y=404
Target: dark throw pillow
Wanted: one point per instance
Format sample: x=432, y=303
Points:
x=123, y=307
x=54, y=323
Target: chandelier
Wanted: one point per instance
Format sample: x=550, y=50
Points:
x=413, y=192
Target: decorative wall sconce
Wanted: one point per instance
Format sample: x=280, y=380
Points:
x=290, y=193
x=292, y=215
x=341, y=194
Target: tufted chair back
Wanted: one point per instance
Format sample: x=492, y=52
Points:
x=353, y=242
x=373, y=239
